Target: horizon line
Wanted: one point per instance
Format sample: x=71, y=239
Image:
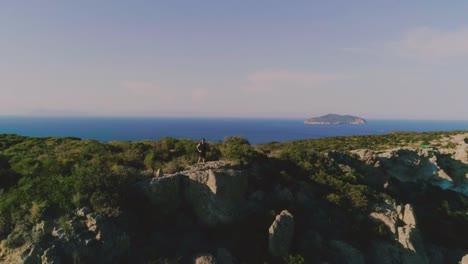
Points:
x=218, y=117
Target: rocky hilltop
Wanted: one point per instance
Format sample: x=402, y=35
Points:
x=279, y=203
x=334, y=119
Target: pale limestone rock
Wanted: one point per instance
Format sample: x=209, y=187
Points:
x=408, y=216
x=464, y=260
x=50, y=256
x=281, y=233
x=159, y=173
x=93, y=221
x=163, y=192
x=404, y=238
x=387, y=220
x=31, y=254
x=82, y=212
x=205, y=259
x=215, y=194
x=43, y=228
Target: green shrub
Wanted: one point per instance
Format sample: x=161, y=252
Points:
x=238, y=150
x=294, y=259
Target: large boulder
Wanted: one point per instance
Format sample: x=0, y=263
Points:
x=162, y=192
x=215, y=195
x=281, y=233
x=205, y=259
x=446, y=168
x=408, y=216
x=464, y=260
x=50, y=256
x=402, y=223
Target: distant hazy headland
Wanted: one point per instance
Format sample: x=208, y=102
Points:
x=334, y=119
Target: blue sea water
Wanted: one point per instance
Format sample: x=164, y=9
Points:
x=213, y=129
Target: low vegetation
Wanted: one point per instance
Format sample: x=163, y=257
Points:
x=47, y=178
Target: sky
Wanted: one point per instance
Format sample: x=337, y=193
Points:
x=218, y=58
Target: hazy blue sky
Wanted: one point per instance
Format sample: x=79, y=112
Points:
x=376, y=59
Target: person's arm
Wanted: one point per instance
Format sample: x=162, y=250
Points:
x=198, y=147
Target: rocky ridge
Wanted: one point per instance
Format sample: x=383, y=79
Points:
x=439, y=166
x=220, y=201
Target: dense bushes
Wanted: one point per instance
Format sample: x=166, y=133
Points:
x=47, y=178
x=238, y=150
x=373, y=142
x=60, y=174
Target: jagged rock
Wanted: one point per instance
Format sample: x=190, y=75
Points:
x=82, y=212
x=281, y=233
x=205, y=259
x=388, y=220
x=215, y=194
x=404, y=235
x=345, y=253
x=446, y=168
x=162, y=192
x=59, y=233
x=41, y=229
x=408, y=216
x=159, y=173
x=31, y=255
x=50, y=256
x=402, y=223
x=93, y=221
x=464, y=260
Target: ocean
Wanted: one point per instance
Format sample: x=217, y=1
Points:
x=257, y=131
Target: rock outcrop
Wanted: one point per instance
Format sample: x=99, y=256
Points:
x=213, y=191
x=435, y=167
x=464, y=260
x=87, y=235
x=215, y=195
x=205, y=259
x=281, y=233
x=401, y=221
x=162, y=192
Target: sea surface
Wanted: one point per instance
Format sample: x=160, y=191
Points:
x=257, y=131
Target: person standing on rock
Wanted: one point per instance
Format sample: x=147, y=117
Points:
x=202, y=147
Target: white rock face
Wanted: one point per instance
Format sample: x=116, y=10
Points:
x=408, y=216
x=388, y=220
x=281, y=233
x=163, y=192
x=446, y=168
x=402, y=223
x=215, y=194
x=205, y=259
x=464, y=260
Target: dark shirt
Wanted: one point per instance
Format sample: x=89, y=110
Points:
x=203, y=147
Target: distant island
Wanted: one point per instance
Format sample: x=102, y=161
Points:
x=334, y=119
